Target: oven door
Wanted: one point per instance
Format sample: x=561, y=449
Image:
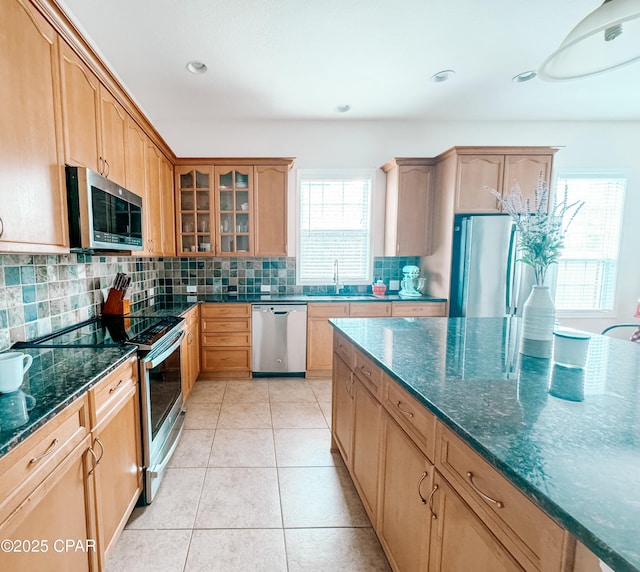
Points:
x=161, y=408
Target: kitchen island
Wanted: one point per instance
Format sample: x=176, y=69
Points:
x=568, y=440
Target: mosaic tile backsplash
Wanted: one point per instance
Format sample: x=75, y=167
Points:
x=43, y=293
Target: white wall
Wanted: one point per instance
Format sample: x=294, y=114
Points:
x=361, y=144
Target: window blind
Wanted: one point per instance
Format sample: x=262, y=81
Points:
x=587, y=269
x=335, y=221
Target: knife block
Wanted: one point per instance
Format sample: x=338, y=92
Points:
x=116, y=304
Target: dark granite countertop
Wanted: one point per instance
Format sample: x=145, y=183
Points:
x=569, y=439
x=56, y=378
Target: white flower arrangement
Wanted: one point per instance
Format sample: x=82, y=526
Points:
x=541, y=231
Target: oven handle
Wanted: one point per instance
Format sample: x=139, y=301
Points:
x=150, y=364
x=156, y=470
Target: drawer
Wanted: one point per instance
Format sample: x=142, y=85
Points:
x=368, y=372
x=26, y=466
x=411, y=309
x=226, y=340
x=344, y=348
x=369, y=309
x=227, y=359
x=529, y=534
x=328, y=310
x=225, y=326
x=109, y=391
x=411, y=415
x=225, y=311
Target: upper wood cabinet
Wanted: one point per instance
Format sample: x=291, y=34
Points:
x=168, y=208
x=498, y=168
x=32, y=193
x=152, y=230
x=270, y=200
x=232, y=207
x=95, y=124
x=135, y=162
x=407, y=228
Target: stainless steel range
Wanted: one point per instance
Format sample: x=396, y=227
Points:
x=160, y=364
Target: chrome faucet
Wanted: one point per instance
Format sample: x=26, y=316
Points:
x=336, y=275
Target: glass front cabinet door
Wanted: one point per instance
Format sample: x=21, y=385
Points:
x=195, y=210
x=234, y=199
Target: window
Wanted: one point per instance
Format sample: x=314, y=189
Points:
x=587, y=269
x=334, y=224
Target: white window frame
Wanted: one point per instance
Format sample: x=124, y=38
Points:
x=338, y=174
x=595, y=174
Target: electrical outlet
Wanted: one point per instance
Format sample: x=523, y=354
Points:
x=192, y=289
x=265, y=288
x=152, y=301
x=151, y=293
x=394, y=284
x=192, y=298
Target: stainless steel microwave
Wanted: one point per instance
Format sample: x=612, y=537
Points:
x=102, y=215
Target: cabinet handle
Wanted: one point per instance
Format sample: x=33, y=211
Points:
x=97, y=440
x=189, y=338
x=498, y=503
x=422, y=478
x=49, y=450
x=100, y=166
x=95, y=461
x=1, y=228
x=397, y=248
x=108, y=168
x=434, y=516
x=407, y=413
x=365, y=370
x=115, y=386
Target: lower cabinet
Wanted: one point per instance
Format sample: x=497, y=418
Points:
x=431, y=499
x=460, y=540
x=116, y=453
x=404, y=520
x=190, y=351
x=225, y=331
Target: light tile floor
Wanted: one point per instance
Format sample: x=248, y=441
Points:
x=253, y=485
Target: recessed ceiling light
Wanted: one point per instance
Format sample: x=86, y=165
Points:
x=343, y=108
x=524, y=76
x=443, y=75
x=196, y=67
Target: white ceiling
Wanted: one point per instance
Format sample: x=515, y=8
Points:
x=300, y=59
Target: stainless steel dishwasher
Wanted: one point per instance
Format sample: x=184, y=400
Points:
x=279, y=339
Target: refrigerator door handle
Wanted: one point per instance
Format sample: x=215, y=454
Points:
x=510, y=278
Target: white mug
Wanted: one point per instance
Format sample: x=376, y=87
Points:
x=13, y=366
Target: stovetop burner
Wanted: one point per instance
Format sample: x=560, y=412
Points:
x=106, y=331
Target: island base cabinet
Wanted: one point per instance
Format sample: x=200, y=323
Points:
x=459, y=540
x=59, y=509
x=404, y=520
x=342, y=408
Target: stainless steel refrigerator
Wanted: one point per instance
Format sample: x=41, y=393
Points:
x=487, y=280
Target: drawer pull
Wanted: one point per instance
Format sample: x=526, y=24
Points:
x=50, y=449
x=422, y=478
x=365, y=370
x=97, y=440
x=115, y=386
x=349, y=384
x=407, y=413
x=434, y=516
x=498, y=503
x=95, y=461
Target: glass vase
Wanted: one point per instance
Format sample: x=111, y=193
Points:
x=538, y=319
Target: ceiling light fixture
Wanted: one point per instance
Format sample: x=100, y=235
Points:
x=196, y=67
x=605, y=40
x=443, y=75
x=524, y=76
x=343, y=108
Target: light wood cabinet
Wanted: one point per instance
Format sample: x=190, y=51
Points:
x=220, y=326
x=33, y=198
x=459, y=540
x=113, y=122
x=152, y=231
x=167, y=208
x=320, y=336
x=342, y=408
x=116, y=451
x=418, y=309
x=234, y=209
x=135, y=160
x=480, y=168
x=408, y=207
x=270, y=200
x=190, y=351
x=194, y=210
x=404, y=520
x=47, y=494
